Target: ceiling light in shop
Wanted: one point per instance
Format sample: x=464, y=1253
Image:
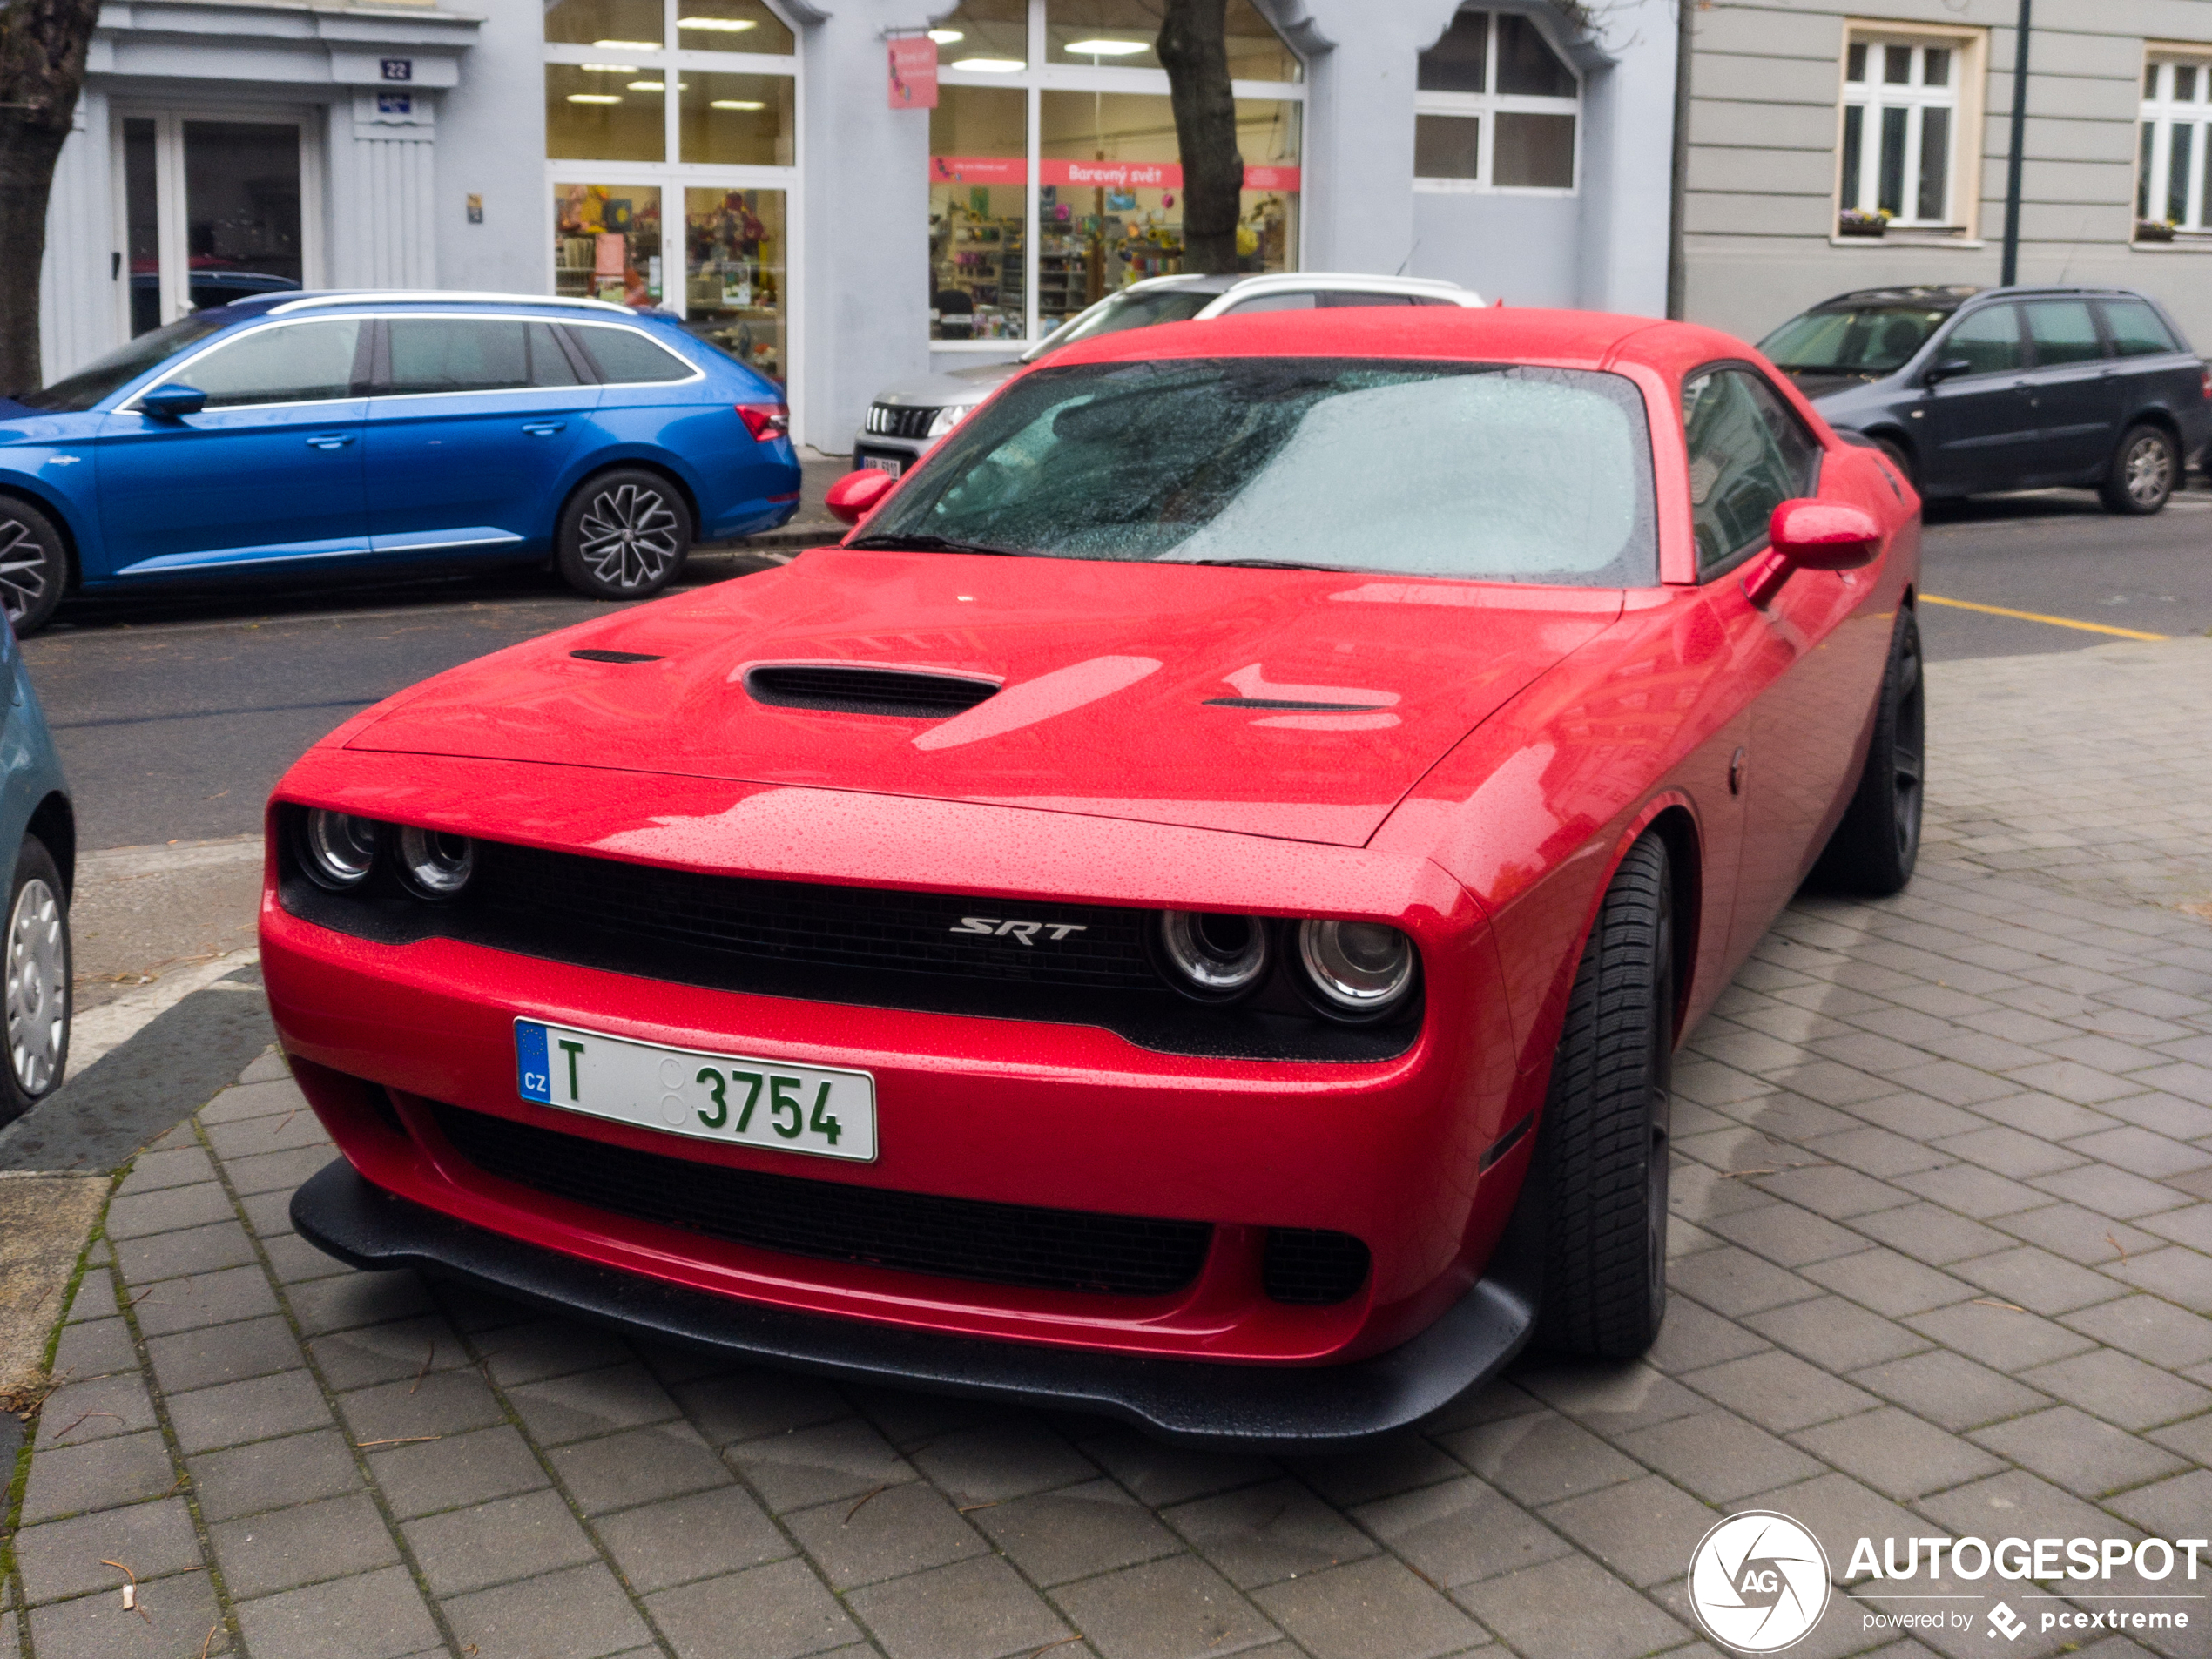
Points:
x=648, y=87
x=723, y=25
x=1107, y=48
x=593, y=97
x=946, y=37
x=991, y=65
x=627, y=45
x=610, y=69
x=737, y=104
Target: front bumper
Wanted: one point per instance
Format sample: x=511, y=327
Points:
x=1248, y=1408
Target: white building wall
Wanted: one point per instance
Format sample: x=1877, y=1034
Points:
x=491, y=145
x=78, y=298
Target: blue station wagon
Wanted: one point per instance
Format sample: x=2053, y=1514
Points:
x=286, y=436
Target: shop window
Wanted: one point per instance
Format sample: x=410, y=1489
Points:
x=607, y=243
x=741, y=120
x=979, y=148
x=637, y=25
x=730, y=26
x=605, y=112
x=1496, y=107
x=1903, y=125
x=2173, y=165
x=736, y=246
x=984, y=36
x=1120, y=34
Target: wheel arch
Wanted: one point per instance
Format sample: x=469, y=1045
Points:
x=54, y=822
x=659, y=465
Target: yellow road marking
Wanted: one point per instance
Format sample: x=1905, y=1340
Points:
x=2033, y=615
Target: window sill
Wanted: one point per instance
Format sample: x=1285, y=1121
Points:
x=1908, y=238
x=2200, y=243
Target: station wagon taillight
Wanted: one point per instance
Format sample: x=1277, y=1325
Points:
x=766, y=422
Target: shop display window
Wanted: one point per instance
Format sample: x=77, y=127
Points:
x=605, y=112
x=1119, y=34
x=730, y=26
x=607, y=243
x=984, y=37
x=735, y=249
x=636, y=25
x=979, y=148
x=738, y=120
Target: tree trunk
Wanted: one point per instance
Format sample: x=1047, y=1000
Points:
x=43, y=43
x=1192, y=49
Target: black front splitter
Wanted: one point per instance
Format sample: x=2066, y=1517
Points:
x=1253, y=1408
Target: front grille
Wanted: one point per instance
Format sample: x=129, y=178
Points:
x=1312, y=1267
x=996, y=1244
x=894, y=421
x=831, y=688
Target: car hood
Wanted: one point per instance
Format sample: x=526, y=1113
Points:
x=955, y=386
x=1168, y=694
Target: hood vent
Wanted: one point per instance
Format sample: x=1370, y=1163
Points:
x=615, y=655
x=1279, y=704
x=866, y=690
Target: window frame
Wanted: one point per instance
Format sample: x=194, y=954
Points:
x=1757, y=543
x=1965, y=97
x=2157, y=115
x=1488, y=104
x=355, y=391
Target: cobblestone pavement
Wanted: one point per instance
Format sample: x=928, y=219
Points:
x=1944, y=1245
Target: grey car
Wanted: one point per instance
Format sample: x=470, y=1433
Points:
x=1978, y=389
x=905, y=419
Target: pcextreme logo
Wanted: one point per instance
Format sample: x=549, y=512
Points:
x=1758, y=1581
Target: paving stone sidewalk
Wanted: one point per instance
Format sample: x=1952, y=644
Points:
x=1944, y=1266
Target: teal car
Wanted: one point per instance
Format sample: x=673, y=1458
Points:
x=39, y=827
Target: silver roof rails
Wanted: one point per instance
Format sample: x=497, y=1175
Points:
x=407, y=296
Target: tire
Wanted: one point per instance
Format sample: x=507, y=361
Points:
x=2145, y=470
x=34, y=565
x=39, y=994
x=1901, y=459
x=1604, y=1146
x=1874, y=846
x=625, y=535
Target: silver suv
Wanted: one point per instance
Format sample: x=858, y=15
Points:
x=905, y=419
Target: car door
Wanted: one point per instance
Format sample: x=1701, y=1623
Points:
x=2151, y=368
x=2074, y=389
x=270, y=470
x=1981, y=428
x=1792, y=661
x=470, y=421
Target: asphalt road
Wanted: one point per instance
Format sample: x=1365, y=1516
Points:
x=174, y=721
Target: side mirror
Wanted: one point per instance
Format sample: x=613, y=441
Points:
x=172, y=403
x=1949, y=368
x=1809, y=535
x=852, y=498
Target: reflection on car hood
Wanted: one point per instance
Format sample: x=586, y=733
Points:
x=956, y=385
x=1167, y=694
x=1816, y=385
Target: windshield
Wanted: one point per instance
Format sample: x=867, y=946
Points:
x=1500, y=473
x=80, y=391
x=1127, y=310
x=1870, y=339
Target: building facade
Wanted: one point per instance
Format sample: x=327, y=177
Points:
x=741, y=162
x=1850, y=144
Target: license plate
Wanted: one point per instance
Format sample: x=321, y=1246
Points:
x=882, y=463
x=722, y=1097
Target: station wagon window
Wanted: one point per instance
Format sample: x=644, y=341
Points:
x=1910, y=105
x=2173, y=164
x=1496, y=108
x=2137, y=330
x=624, y=357
x=2064, y=332
x=299, y=362
x=472, y=355
x=1748, y=454
x=1988, y=341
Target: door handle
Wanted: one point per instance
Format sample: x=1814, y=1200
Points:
x=330, y=440
x=542, y=428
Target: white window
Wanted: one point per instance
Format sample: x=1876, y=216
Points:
x=2171, y=187
x=1902, y=128
x=1497, y=107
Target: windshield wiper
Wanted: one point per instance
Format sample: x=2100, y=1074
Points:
x=934, y=545
x=1258, y=564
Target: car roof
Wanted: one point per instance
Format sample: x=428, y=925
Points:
x=1951, y=296
x=1295, y=281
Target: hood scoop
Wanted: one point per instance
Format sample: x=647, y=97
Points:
x=840, y=689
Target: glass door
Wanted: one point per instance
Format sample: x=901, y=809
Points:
x=212, y=210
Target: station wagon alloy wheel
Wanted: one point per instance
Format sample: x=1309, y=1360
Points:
x=2144, y=471
x=38, y=988
x=629, y=536
x=2150, y=469
x=32, y=566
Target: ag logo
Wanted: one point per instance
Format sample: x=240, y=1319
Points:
x=1759, y=1581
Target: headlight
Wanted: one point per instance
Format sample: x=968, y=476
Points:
x=436, y=865
x=340, y=848
x=949, y=417
x=1211, y=957
x=1355, y=970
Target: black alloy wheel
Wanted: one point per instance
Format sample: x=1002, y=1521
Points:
x=34, y=565
x=1876, y=846
x=2146, y=470
x=625, y=535
x=1603, y=1147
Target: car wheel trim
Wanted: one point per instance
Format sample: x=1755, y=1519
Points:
x=37, y=987
x=23, y=568
x=628, y=535
x=2148, y=470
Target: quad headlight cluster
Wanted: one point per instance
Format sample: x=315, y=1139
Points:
x=342, y=850
x=1353, y=972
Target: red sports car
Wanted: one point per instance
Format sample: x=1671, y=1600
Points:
x=1184, y=912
